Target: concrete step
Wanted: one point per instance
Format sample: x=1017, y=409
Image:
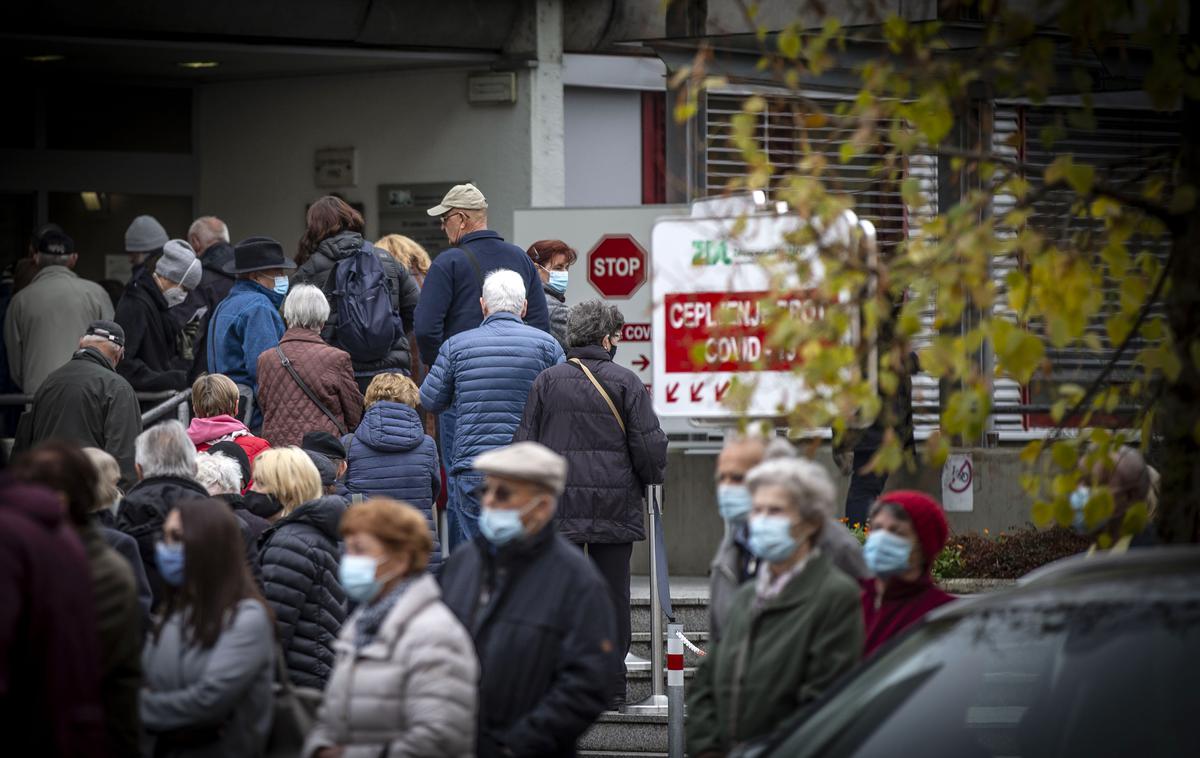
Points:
x=637, y=683
x=616, y=734
x=641, y=646
x=691, y=612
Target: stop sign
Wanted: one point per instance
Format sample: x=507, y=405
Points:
x=617, y=266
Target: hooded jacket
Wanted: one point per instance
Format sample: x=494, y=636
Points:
x=450, y=295
x=319, y=271
x=299, y=557
x=390, y=455
x=152, y=362
x=409, y=691
x=543, y=625
x=607, y=469
x=88, y=402
x=50, y=699
x=142, y=512
x=288, y=413
x=245, y=324
x=206, y=432
x=485, y=375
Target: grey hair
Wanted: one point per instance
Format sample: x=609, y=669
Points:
x=589, y=322
x=44, y=260
x=779, y=448
x=504, y=291
x=808, y=485
x=306, y=307
x=209, y=229
x=218, y=473
x=165, y=450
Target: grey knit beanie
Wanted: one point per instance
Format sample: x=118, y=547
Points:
x=178, y=263
x=144, y=234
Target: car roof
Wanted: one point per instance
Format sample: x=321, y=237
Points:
x=1168, y=573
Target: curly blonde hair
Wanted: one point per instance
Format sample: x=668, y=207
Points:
x=395, y=387
x=407, y=252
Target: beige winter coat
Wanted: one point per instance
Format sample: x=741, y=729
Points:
x=411, y=690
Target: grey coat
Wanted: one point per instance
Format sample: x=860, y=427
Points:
x=411, y=691
x=733, y=565
x=556, y=304
x=226, y=688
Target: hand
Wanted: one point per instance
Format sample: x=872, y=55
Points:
x=333, y=751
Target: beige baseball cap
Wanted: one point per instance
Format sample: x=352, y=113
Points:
x=464, y=196
x=527, y=462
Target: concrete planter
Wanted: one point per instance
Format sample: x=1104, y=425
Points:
x=975, y=586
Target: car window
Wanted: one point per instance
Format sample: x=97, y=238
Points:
x=1101, y=679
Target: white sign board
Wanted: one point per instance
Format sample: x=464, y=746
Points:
x=711, y=297
x=958, y=483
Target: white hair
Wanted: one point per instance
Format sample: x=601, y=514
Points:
x=808, y=485
x=218, y=473
x=504, y=291
x=165, y=450
x=306, y=307
x=209, y=230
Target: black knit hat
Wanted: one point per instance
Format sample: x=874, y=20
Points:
x=324, y=443
x=257, y=254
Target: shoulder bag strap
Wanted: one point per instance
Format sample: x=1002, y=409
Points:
x=474, y=264
x=603, y=393
x=287, y=364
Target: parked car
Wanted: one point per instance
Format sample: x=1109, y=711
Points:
x=1088, y=656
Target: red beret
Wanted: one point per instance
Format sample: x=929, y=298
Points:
x=927, y=518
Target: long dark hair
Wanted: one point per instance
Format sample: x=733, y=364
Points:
x=326, y=217
x=215, y=575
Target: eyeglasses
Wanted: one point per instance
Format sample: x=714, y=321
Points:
x=444, y=219
x=500, y=493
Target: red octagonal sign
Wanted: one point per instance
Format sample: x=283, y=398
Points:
x=616, y=266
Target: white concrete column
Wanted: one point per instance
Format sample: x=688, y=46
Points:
x=545, y=87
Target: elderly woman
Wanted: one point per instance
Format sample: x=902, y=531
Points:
x=553, y=258
x=214, y=405
x=908, y=530
x=598, y=416
x=333, y=236
x=298, y=555
x=222, y=477
x=304, y=385
x=408, y=253
x=792, y=631
x=391, y=455
x=405, y=678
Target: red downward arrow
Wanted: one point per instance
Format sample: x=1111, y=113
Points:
x=721, y=390
x=697, y=392
x=673, y=392
x=642, y=362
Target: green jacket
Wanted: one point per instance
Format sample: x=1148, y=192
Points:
x=771, y=661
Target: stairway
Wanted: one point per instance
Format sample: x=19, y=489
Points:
x=620, y=734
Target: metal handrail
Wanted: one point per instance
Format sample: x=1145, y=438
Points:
x=166, y=401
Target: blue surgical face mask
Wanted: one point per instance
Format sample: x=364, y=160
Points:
x=1079, y=500
x=558, y=281
x=886, y=554
x=771, y=538
x=169, y=559
x=281, y=285
x=733, y=501
x=500, y=527
x=357, y=575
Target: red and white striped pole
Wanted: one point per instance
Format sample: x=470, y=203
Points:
x=675, y=735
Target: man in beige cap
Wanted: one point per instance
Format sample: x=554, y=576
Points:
x=538, y=611
x=450, y=296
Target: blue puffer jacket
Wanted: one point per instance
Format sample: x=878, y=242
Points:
x=485, y=375
x=390, y=455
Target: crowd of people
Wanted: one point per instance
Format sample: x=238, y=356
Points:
x=167, y=591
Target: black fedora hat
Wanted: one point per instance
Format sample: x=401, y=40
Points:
x=257, y=254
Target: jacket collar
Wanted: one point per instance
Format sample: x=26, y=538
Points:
x=518, y=551
x=421, y=593
x=145, y=284
x=590, y=352
x=93, y=355
x=296, y=334
x=559, y=296
x=501, y=316
x=50, y=272
x=245, y=285
x=479, y=235
x=216, y=256
x=801, y=586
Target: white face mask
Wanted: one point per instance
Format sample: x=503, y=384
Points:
x=175, y=296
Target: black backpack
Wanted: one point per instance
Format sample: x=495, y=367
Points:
x=368, y=325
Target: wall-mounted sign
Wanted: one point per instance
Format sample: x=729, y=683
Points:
x=335, y=167
x=499, y=88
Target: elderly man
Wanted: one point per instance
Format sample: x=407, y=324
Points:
x=86, y=401
x=483, y=376
x=247, y=322
x=209, y=237
x=166, y=469
x=44, y=320
x=1128, y=479
x=734, y=562
x=449, y=301
x=221, y=476
x=152, y=359
x=536, y=608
